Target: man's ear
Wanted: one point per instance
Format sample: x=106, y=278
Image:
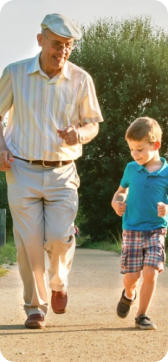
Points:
x=157, y=145
x=39, y=39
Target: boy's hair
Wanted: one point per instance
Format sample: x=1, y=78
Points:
x=144, y=127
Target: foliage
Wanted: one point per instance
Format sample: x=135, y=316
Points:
x=128, y=63
x=4, y=201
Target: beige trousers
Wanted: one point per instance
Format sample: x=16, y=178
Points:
x=43, y=204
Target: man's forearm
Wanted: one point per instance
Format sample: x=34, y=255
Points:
x=88, y=132
x=3, y=146
x=73, y=135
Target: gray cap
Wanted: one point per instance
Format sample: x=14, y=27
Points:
x=61, y=25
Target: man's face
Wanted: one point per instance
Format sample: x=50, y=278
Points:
x=55, y=51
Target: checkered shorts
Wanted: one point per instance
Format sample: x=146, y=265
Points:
x=141, y=248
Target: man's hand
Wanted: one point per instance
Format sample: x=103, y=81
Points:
x=6, y=158
x=69, y=135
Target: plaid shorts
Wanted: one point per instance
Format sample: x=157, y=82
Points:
x=141, y=248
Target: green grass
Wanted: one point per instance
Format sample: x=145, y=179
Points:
x=113, y=244
x=3, y=271
x=110, y=245
x=102, y=245
x=8, y=254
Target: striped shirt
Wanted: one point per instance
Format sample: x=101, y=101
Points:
x=38, y=106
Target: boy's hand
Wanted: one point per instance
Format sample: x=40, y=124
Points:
x=119, y=207
x=119, y=203
x=162, y=209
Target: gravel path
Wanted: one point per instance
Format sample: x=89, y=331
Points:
x=90, y=330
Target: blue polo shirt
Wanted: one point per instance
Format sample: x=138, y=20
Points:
x=146, y=189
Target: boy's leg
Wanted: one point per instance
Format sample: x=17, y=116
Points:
x=131, y=265
x=154, y=257
x=150, y=275
x=130, y=282
x=147, y=289
x=128, y=294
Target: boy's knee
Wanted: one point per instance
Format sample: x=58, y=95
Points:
x=150, y=273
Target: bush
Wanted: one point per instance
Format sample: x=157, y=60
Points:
x=4, y=202
x=128, y=63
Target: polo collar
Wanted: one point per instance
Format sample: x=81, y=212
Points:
x=34, y=67
x=157, y=172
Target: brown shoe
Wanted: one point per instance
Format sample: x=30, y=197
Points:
x=35, y=321
x=59, y=302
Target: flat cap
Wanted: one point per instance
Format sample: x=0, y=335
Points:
x=61, y=25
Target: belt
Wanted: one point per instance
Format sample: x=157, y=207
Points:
x=46, y=163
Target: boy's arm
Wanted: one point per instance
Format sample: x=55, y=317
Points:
x=118, y=201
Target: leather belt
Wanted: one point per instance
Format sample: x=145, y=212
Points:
x=46, y=163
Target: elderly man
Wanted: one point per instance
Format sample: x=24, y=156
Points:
x=53, y=110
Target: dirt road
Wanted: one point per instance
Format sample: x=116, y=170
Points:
x=90, y=330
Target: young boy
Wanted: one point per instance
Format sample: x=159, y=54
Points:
x=142, y=200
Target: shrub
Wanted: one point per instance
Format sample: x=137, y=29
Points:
x=128, y=63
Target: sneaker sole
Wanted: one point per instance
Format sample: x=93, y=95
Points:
x=153, y=327
x=61, y=311
x=35, y=326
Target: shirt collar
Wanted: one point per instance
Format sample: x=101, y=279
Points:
x=164, y=165
x=34, y=67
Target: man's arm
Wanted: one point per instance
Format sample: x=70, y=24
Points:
x=87, y=132
x=84, y=134
x=5, y=155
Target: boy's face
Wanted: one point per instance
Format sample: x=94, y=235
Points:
x=143, y=152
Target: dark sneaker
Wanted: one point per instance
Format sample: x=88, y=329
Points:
x=144, y=322
x=124, y=305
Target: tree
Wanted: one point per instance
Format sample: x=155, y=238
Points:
x=129, y=64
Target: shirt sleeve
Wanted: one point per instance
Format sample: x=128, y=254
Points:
x=6, y=93
x=125, y=179
x=89, y=106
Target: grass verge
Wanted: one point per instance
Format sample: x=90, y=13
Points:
x=8, y=251
x=110, y=245
x=3, y=271
x=8, y=254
